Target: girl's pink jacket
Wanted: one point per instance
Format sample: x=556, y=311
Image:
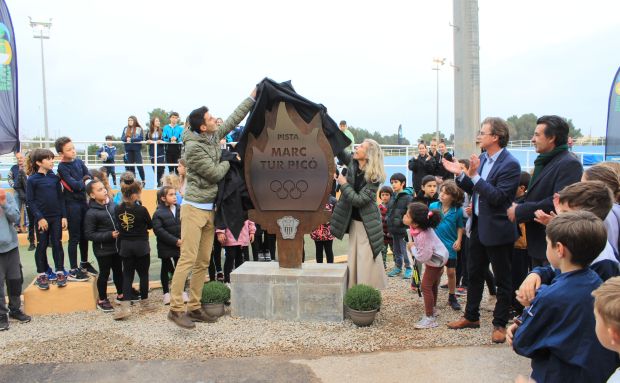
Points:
x=244, y=237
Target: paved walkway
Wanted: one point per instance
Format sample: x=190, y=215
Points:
x=456, y=364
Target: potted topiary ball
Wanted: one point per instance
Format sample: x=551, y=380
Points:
x=214, y=296
x=362, y=302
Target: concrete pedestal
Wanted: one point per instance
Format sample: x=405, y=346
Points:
x=313, y=293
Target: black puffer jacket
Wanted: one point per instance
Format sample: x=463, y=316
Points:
x=167, y=228
x=99, y=224
x=397, y=208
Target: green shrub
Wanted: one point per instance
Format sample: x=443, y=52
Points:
x=215, y=292
x=362, y=298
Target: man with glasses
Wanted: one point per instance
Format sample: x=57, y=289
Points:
x=492, y=180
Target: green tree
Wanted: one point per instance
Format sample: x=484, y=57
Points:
x=162, y=114
x=522, y=127
x=361, y=134
x=427, y=137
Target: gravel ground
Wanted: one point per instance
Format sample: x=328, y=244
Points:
x=95, y=336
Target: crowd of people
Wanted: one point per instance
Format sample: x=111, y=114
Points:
x=551, y=237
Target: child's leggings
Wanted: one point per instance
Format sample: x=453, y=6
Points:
x=167, y=270
x=430, y=286
x=107, y=263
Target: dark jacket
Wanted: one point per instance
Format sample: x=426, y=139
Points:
x=44, y=196
x=563, y=170
x=133, y=222
x=437, y=157
x=17, y=180
x=160, y=147
x=72, y=176
x=365, y=200
x=233, y=200
x=99, y=224
x=495, y=196
x=269, y=94
x=423, y=198
x=421, y=167
x=135, y=142
x=167, y=229
x=441, y=171
x=397, y=207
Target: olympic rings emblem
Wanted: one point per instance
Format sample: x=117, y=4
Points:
x=289, y=188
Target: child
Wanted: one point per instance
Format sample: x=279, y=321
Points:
x=100, y=228
x=428, y=249
x=397, y=207
x=322, y=236
x=167, y=228
x=107, y=153
x=102, y=177
x=73, y=173
x=10, y=266
x=450, y=231
x=607, y=315
x=182, y=170
x=174, y=182
x=428, y=193
x=385, y=194
x=557, y=330
x=133, y=222
x=46, y=201
x=233, y=247
x=521, y=263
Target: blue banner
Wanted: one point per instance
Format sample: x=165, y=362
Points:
x=9, y=121
x=612, y=145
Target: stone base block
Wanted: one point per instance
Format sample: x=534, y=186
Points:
x=313, y=293
x=76, y=296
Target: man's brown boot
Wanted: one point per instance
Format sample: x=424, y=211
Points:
x=180, y=319
x=499, y=334
x=200, y=315
x=463, y=323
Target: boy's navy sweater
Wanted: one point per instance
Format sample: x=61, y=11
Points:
x=72, y=174
x=558, y=332
x=44, y=196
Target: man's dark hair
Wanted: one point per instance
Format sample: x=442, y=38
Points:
x=399, y=177
x=197, y=118
x=60, y=143
x=592, y=196
x=465, y=162
x=524, y=179
x=427, y=179
x=174, y=114
x=581, y=232
x=386, y=189
x=499, y=128
x=109, y=137
x=555, y=126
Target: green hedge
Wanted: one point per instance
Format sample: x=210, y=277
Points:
x=362, y=298
x=215, y=292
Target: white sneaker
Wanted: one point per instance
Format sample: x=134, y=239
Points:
x=435, y=312
x=426, y=322
x=185, y=297
x=166, y=298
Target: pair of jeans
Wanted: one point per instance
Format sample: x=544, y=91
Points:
x=107, y=263
x=53, y=236
x=399, y=248
x=76, y=211
x=160, y=168
x=11, y=275
x=134, y=157
x=500, y=258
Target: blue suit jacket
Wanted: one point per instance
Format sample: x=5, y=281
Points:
x=495, y=196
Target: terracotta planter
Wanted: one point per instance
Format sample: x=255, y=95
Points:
x=214, y=309
x=362, y=318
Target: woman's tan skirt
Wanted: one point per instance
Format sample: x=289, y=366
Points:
x=363, y=269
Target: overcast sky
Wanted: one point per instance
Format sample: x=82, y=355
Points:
x=367, y=62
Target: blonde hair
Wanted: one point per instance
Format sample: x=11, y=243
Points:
x=374, y=170
x=607, y=302
x=171, y=180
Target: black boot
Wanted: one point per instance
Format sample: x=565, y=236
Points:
x=454, y=303
x=4, y=322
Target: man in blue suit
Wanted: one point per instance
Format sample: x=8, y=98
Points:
x=555, y=167
x=492, y=181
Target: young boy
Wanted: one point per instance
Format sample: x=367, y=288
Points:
x=428, y=194
x=607, y=315
x=397, y=207
x=385, y=194
x=10, y=267
x=107, y=153
x=73, y=173
x=558, y=330
x=520, y=260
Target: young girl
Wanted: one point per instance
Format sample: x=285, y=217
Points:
x=174, y=182
x=167, y=228
x=47, y=204
x=133, y=222
x=323, y=238
x=450, y=231
x=127, y=178
x=103, y=178
x=428, y=249
x=182, y=170
x=133, y=136
x=153, y=138
x=100, y=228
x=234, y=247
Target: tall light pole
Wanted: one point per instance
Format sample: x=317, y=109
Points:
x=41, y=30
x=438, y=63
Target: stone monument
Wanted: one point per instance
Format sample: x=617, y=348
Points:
x=289, y=171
